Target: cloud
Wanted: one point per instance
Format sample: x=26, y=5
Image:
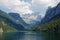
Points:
x=41, y=5
x=24, y=7
x=27, y=1
x=29, y=18
x=17, y=6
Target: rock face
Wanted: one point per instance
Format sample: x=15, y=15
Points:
x=18, y=19
x=10, y=21
x=51, y=12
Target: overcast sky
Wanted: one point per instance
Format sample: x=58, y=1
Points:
x=24, y=7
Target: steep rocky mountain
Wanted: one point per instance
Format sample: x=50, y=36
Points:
x=9, y=21
x=17, y=17
x=51, y=12
x=28, y=26
x=52, y=25
x=51, y=21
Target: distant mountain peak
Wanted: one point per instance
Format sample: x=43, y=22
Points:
x=18, y=18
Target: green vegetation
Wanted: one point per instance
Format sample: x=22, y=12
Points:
x=52, y=25
x=4, y=14
x=5, y=27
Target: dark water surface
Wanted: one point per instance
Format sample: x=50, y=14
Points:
x=29, y=36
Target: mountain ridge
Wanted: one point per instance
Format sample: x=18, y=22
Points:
x=51, y=21
x=10, y=21
x=50, y=13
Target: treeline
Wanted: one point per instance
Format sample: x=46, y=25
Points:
x=52, y=25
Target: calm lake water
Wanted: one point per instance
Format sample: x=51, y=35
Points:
x=29, y=36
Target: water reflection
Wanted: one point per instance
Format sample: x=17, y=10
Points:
x=13, y=36
x=30, y=36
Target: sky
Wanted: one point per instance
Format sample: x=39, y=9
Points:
x=33, y=8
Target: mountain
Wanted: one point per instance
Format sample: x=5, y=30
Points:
x=4, y=27
x=9, y=21
x=35, y=21
x=32, y=22
x=51, y=12
x=53, y=25
x=27, y=26
x=17, y=17
x=51, y=21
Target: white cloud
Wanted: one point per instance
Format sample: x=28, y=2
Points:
x=25, y=7
x=21, y=7
x=43, y=3
x=29, y=18
x=17, y=6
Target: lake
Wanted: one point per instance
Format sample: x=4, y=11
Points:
x=28, y=35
